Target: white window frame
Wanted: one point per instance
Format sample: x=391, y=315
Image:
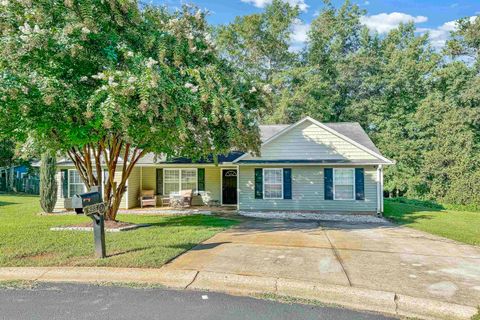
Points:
x=69, y=183
x=264, y=183
x=180, y=179
x=353, y=174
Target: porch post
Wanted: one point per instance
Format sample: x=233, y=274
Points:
x=381, y=188
x=238, y=189
x=379, y=209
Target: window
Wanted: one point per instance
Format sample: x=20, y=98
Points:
x=75, y=183
x=344, y=184
x=273, y=183
x=175, y=180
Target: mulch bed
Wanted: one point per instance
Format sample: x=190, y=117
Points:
x=110, y=226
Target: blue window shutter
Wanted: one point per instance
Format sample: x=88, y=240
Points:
x=160, y=181
x=258, y=183
x=359, y=184
x=201, y=179
x=64, y=178
x=287, y=183
x=328, y=183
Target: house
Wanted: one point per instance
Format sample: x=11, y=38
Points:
x=305, y=166
x=20, y=178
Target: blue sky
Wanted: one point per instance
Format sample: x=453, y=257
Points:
x=435, y=16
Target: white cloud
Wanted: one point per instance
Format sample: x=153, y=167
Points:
x=299, y=36
x=439, y=35
x=300, y=32
x=385, y=22
x=262, y=3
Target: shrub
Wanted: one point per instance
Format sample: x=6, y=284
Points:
x=48, y=183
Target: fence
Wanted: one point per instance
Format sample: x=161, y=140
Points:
x=27, y=184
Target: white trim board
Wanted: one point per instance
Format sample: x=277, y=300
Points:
x=326, y=128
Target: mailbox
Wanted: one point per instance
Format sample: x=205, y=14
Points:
x=92, y=206
x=80, y=201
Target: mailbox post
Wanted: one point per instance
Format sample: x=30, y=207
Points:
x=92, y=206
x=98, y=229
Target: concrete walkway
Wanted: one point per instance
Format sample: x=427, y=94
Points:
x=382, y=268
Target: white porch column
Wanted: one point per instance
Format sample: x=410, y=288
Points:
x=238, y=189
x=379, y=182
x=381, y=189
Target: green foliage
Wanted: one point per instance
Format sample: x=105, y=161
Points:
x=48, y=182
x=102, y=78
x=417, y=203
x=7, y=149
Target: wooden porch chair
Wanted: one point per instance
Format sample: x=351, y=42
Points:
x=148, y=198
x=187, y=196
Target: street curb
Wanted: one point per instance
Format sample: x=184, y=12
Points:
x=353, y=297
x=356, y=298
x=170, y=278
x=432, y=309
x=233, y=283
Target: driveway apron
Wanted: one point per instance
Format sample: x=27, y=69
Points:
x=373, y=256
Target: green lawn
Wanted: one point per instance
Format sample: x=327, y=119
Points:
x=463, y=226
x=25, y=238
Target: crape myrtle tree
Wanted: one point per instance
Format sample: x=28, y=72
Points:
x=108, y=81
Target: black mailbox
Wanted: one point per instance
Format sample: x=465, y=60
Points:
x=80, y=201
x=92, y=206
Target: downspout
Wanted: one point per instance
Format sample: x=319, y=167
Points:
x=141, y=185
x=381, y=189
x=379, y=182
x=238, y=189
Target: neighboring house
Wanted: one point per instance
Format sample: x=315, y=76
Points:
x=306, y=166
x=19, y=178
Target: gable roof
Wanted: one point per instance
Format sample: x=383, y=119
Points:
x=351, y=132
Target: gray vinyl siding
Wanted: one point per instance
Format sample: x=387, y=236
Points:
x=307, y=192
x=308, y=141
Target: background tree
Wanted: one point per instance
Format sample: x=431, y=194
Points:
x=258, y=44
x=48, y=182
x=108, y=81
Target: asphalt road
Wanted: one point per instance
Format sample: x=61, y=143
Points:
x=79, y=301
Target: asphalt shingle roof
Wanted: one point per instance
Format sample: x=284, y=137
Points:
x=351, y=130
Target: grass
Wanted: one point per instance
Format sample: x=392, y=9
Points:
x=17, y=284
x=455, y=223
x=26, y=239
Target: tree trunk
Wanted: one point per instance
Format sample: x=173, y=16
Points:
x=106, y=153
x=48, y=183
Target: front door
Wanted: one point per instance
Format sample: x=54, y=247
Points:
x=229, y=186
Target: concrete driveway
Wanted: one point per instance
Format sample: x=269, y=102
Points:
x=371, y=256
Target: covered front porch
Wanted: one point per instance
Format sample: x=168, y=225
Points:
x=214, y=188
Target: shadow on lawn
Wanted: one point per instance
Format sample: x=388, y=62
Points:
x=7, y=203
x=407, y=211
x=128, y=251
